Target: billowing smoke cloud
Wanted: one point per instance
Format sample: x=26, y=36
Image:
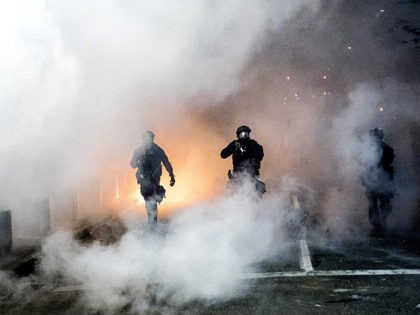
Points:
x=309, y=77
x=80, y=82
x=315, y=88
x=202, y=254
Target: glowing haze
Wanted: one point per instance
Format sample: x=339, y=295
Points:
x=80, y=82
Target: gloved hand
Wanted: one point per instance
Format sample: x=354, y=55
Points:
x=172, y=182
x=240, y=148
x=230, y=175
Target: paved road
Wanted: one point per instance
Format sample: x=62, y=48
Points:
x=371, y=276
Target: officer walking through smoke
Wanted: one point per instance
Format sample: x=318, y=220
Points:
x=378, y=183
x=148, y=160
x=247, y=155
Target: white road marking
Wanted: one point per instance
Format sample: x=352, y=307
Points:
x=305, y=259
x=332, y=273
x=286, y=274
x=305, y=264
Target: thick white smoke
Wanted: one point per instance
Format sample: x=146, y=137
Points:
x=80, y=81
x=353, y=151
x=315, y=89
x=201, y=254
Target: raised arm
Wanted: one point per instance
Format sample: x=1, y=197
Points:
x=228, y=151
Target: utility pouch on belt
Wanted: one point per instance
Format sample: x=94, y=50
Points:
x=160, y=193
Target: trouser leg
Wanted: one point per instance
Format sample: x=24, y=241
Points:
x=385, y=208
x=259, y=187
x=151, y=208
x=373, y=210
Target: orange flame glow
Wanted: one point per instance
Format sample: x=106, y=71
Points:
x=200, y=174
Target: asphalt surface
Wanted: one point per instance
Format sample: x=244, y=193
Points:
x=369, y=276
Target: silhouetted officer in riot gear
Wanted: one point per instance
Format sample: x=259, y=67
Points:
x=247, y=155
x=378, y=183
x=148, y=160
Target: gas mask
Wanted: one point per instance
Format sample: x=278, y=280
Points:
x=243, y=135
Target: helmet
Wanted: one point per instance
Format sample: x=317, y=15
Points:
x=376, y=132
x=148, y=135
x=241, y=129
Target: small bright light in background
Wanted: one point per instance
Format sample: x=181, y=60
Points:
x=381, y=109
x=349, y=47
x=324, y=77
x=325, y=92
x=382, y=10
x=288, y=78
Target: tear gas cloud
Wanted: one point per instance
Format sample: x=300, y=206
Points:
x=80, y=83
x=314, y=89
x=203, y=255
x=309, y=77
